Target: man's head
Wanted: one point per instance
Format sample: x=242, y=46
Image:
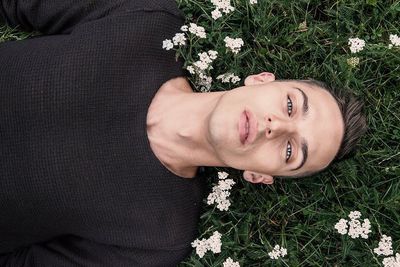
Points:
x=295, y=127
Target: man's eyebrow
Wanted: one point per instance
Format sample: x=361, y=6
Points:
x=304, y=148
x=305, y=101
x=304, y=144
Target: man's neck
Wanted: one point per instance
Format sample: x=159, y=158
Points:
x=177, y=127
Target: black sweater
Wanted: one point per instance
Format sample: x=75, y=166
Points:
x=79, y=184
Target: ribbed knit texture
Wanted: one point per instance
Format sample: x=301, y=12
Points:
x=79, y=184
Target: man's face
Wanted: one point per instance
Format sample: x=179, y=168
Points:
x=294, y=128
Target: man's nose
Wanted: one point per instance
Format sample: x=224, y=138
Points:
x=277, y=126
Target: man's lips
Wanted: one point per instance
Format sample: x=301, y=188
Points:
x=247, y=127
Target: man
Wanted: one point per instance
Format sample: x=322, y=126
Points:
x=267, y=128
x=98, y=126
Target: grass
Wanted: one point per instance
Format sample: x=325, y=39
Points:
x=300, y=214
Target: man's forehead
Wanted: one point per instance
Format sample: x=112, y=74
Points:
x=323, y=130
x=326, y=128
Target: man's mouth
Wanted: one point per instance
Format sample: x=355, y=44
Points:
x=247, y=127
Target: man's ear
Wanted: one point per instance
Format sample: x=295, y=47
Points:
x=263, y=77
x=256, y=178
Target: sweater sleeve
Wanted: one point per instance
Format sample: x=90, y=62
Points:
x=54, y=16
x=73, y=251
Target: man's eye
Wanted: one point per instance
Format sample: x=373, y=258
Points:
x=289, y=105
x=288, y=151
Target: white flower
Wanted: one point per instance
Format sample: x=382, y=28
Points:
x=190, y=69
x=197, y=30
x=218, y=196
x=201, y=246
x=224, y=5
x=216, y=14
x=213, y=54
x=224, y=77
x=228, y=77
x=354, y=215
x=179, y=39
x=356, y=44
x=356, y=228
x=212, y=197
x=201, y=65
x=253, y=2
x=204, y=57
x=283, y=252
x=233, y=44
x=277, y=252
x=184, y=28
x=226, y=184
x=222, y=175
x=230, y=263
x=366, y=229
x=394, y=39
x=224, y=204
x=167, y=44
x=385, y=246
x=213, y=243
x=204, y=81
x=341, y=226
x=204, y=64
x=392, y=261
x=235, y=79
x=220, y=192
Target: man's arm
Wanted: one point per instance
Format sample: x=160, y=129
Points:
x=73, y=251
x=54, y=16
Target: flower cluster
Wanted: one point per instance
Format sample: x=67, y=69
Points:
x=201, y=66
x=357, y=229
x=341, y=226
x=303, y=26
x=221, y=6
x=220, y=193
x=196, y=30
x=178, y=40
x=392, y=261
x=252, y=2
x=385, y=246
x=354, y=228
x=230, y=263
x=233, y=44
x=277, y=252
x=394, y=39
x=353, y=61
x=167, y=44
x=223, y=175
x=356, y=45
x=213, y=243
x=228, y=77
